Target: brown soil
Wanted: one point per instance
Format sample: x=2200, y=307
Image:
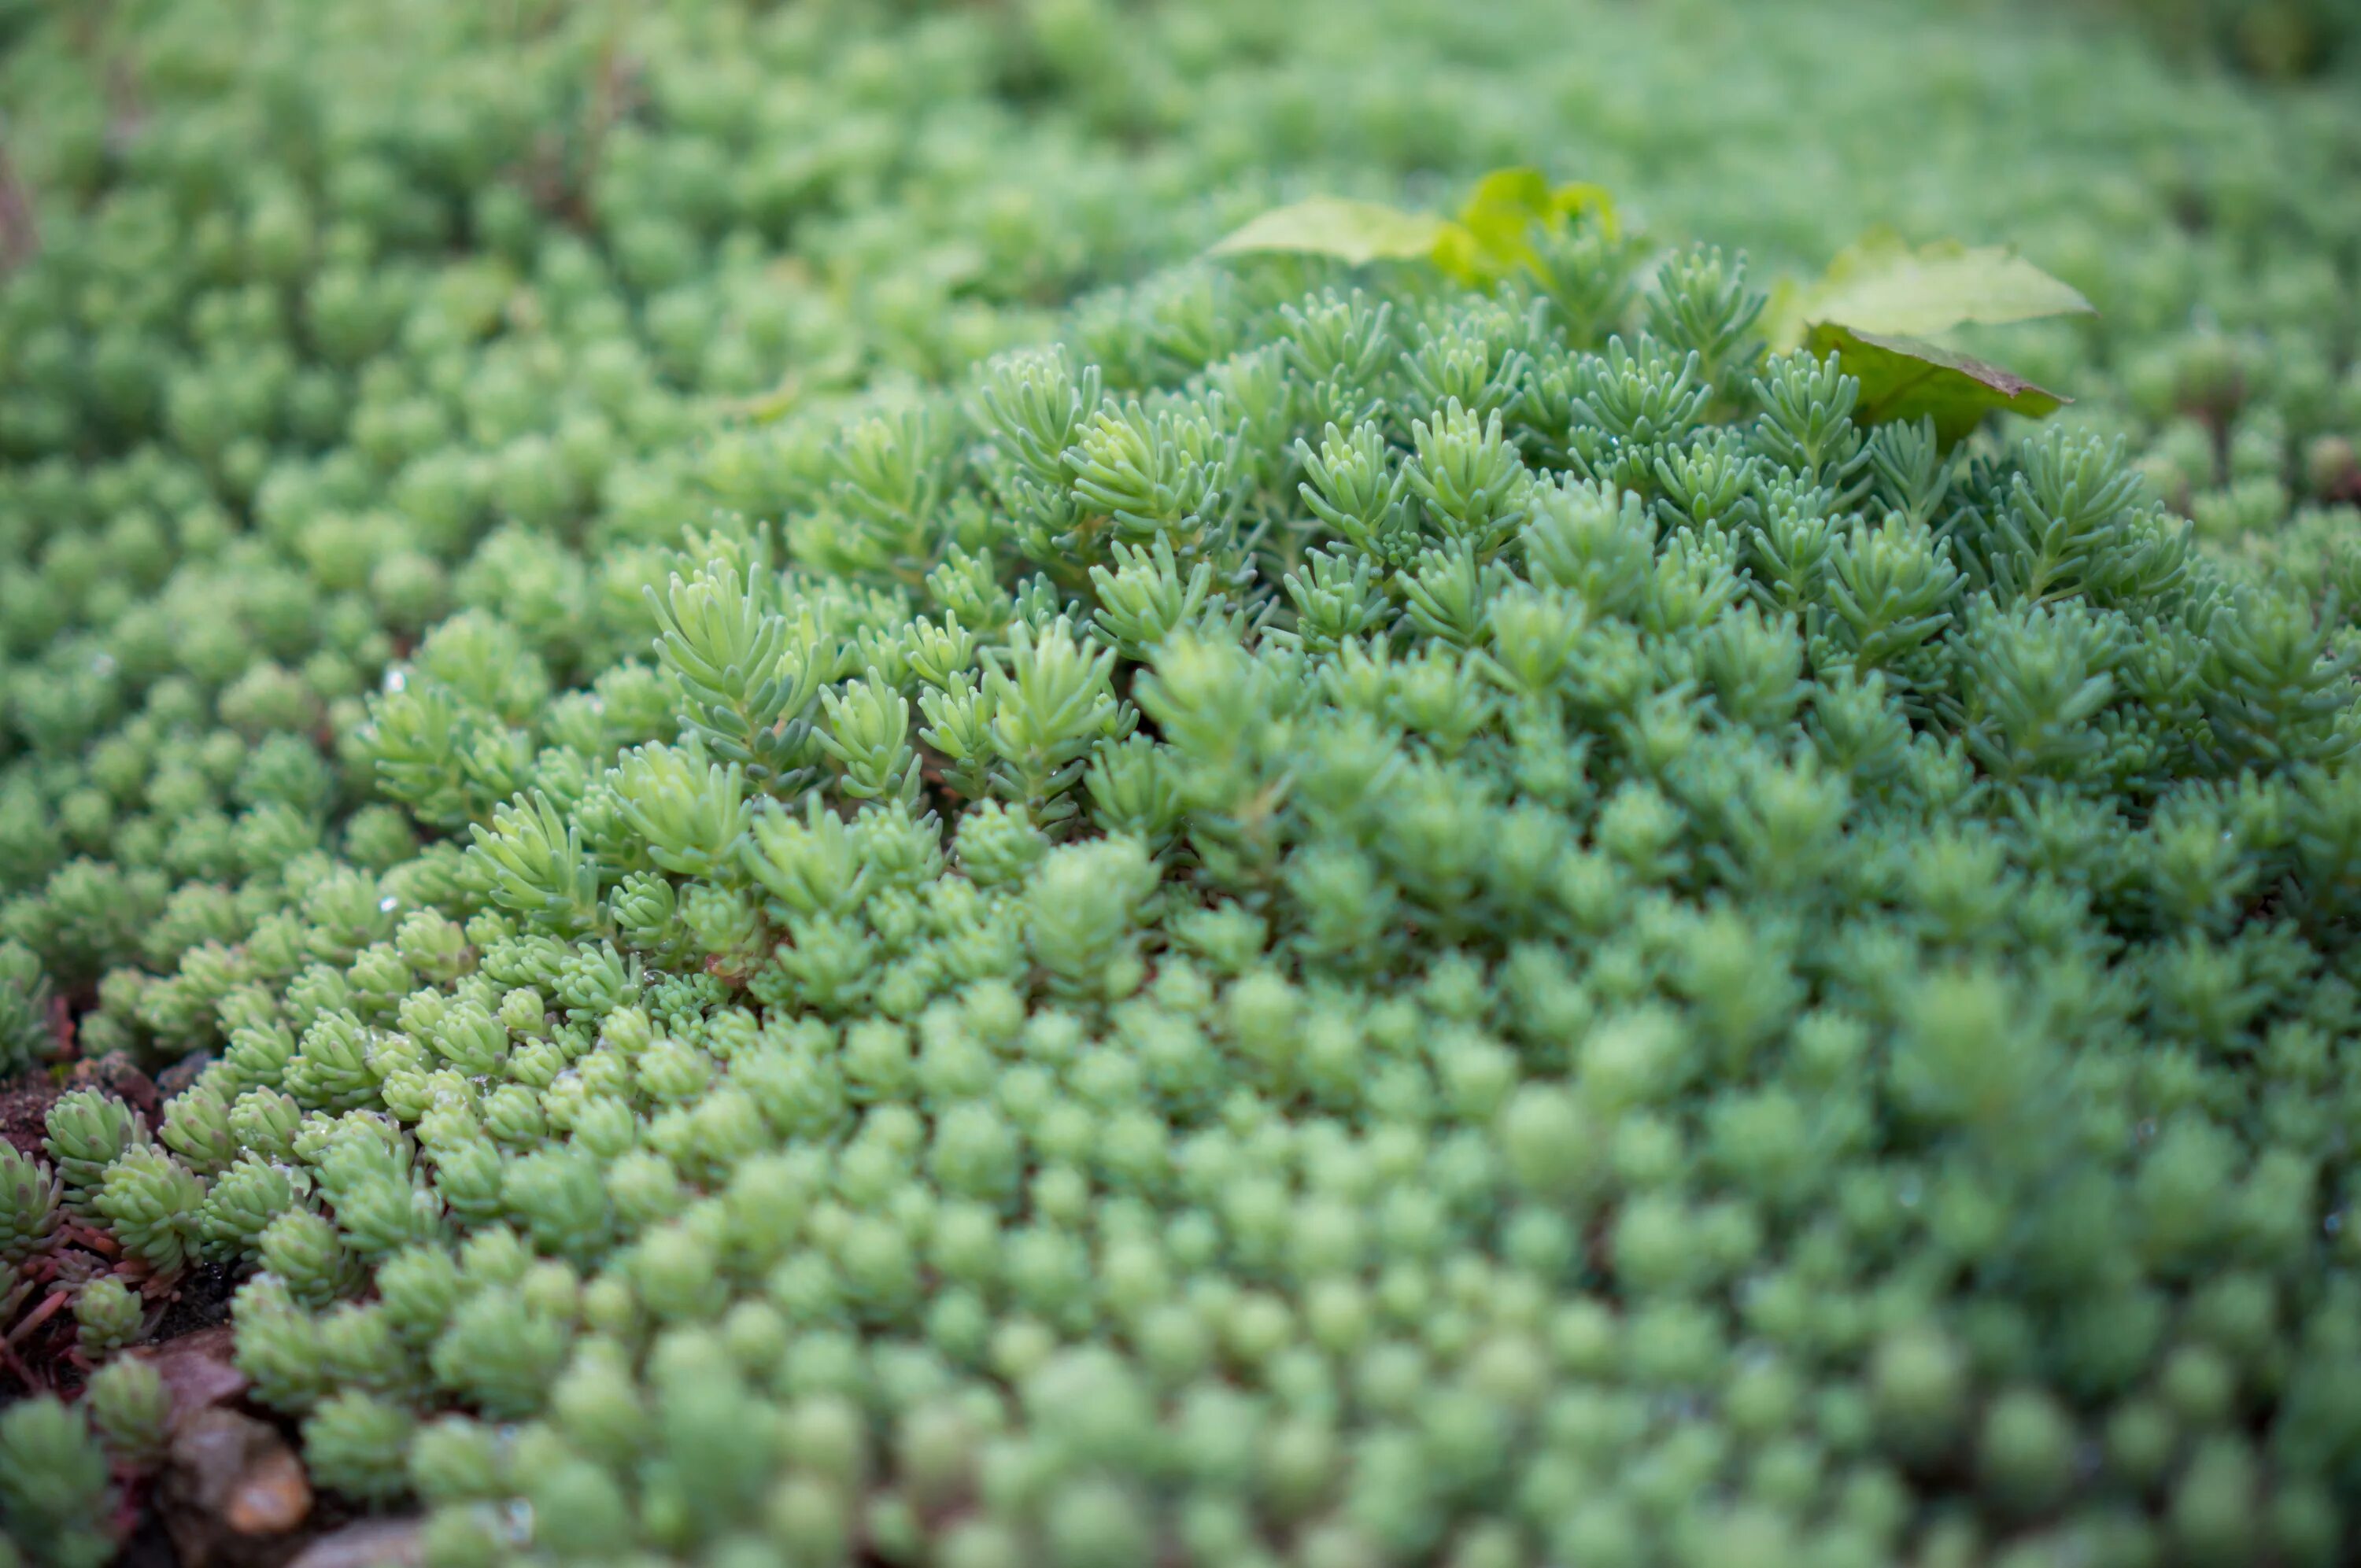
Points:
x=201, y=1301
x=24, y=1110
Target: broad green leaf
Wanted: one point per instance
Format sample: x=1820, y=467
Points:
x=1882, y=284
x=1356, y=233
x=1493, y=237
x=1504, y=205
x=1783, y=321
x=1904, y=378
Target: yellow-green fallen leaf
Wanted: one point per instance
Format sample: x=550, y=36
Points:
x=1493, y=237
x=1883, y=284
x=1904, y=378
x=1490, y=239
x=1356, y=233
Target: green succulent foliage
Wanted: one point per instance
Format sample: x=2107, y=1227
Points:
x=108, y=1316
x=1307, y=912
x=54, y=1494
x=24, y=1034
x=1648, y=967
x=28, y=1204
x=131, y=1409
x=363, y=487
x=86, y=1133
x=357, y=1445
x=152, y=1203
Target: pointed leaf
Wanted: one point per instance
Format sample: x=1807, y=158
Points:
x=1904, y=378
x=1505, y=203
x=1356, y=233
x=1882, y=284
x=1493, y=236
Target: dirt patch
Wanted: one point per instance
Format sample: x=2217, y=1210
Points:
x=150, y=1545
x=201, y=1301
x=25, y=1111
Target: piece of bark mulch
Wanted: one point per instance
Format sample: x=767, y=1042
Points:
x=197, y=1371
x=233, y=1493
x=371, y=1543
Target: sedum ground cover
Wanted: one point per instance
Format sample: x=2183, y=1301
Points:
x=829, y=861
